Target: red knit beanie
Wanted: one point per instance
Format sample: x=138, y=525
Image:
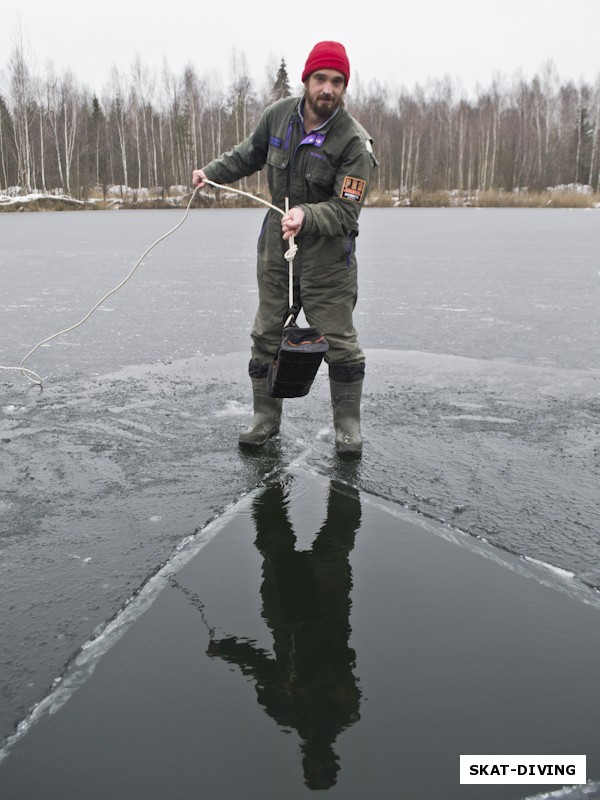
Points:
x=327, y=55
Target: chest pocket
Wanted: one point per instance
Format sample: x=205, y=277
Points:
x=277, y=157
x=320, y=177
x=277, y=162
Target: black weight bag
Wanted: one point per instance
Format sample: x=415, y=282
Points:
x=297, y=362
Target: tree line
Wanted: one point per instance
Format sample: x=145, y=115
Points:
x=513, y=135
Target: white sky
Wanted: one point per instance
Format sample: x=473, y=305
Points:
x=398, y=44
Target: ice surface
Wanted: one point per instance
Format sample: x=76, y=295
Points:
x=484, y=419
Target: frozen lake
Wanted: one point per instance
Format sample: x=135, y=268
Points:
x=481, y=283
x=480, y=407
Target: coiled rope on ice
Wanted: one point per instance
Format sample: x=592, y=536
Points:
x=289, y=256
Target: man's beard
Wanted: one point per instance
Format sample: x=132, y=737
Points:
x=320, y=109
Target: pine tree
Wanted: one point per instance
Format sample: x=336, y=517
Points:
x=281, y=87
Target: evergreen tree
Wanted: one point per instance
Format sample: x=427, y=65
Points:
x=281, y=87
x=96, y=156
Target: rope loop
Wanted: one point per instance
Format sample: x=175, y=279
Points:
x=290, y=253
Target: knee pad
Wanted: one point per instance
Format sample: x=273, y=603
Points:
x=347, y=373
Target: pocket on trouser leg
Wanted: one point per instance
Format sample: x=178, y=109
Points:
x=335, y=322
x=329, y=294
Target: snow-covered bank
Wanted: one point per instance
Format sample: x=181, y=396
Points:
x=114, y=197
x=16, y=199
x=38, y=201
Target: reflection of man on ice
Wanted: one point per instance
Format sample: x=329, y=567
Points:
x=308, y=685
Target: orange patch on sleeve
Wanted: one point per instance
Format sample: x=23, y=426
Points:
x=353, y=188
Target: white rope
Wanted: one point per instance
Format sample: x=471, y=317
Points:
x=289, y=256
x=293, y=248
x=290, y=261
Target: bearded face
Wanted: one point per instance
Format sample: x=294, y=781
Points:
x=324, y=92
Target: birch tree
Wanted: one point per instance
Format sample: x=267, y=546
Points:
x=66, y=118
x=120, y=120
x=410, y=127
x=21, y=100
x=7, y=145
x=594, y=174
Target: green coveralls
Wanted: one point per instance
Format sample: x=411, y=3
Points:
x=327, y=173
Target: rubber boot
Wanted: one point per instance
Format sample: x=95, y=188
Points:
x=345, y=400
x=267, y=416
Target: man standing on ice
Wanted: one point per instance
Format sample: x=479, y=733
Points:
x=321, y=158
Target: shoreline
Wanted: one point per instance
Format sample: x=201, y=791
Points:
x=143, y=199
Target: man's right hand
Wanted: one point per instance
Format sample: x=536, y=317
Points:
x=292, y=222
x=199, y=178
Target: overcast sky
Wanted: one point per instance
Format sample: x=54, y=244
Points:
x=399, y=44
